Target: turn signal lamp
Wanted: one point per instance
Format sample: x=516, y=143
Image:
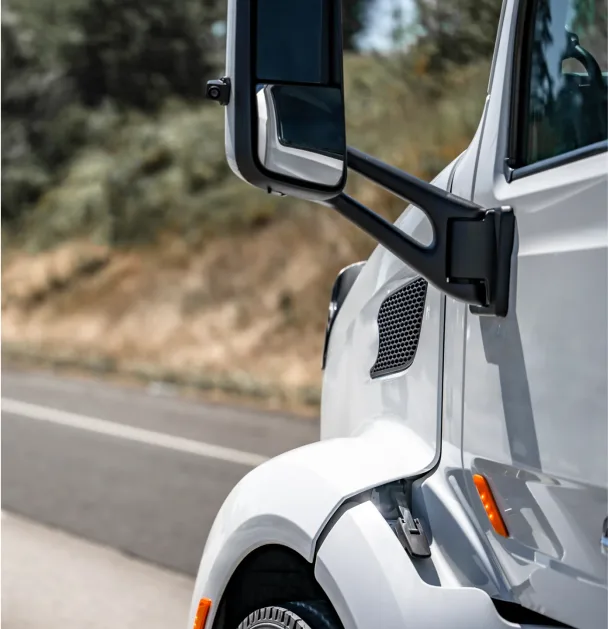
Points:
x=489, y=504
x=202, y=611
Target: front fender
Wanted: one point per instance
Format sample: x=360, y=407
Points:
x=289, y=499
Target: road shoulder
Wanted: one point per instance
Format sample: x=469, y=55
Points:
x=55, y=580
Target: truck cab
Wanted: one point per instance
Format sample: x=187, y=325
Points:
x=461, y=478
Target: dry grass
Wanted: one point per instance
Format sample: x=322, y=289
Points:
x=250, y=306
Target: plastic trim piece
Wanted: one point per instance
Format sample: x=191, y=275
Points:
x=342, y=285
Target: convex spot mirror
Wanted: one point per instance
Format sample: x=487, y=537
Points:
x=285, y=129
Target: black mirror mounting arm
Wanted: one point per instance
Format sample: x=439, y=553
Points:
x=470, y=257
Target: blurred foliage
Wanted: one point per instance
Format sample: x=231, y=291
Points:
x=590, y=23
x=104, y=134
x=138, y=52
x=42, y=121
x=458, y=32
x=354, y=18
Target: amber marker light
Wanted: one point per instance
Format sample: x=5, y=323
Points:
x=202, y=611
x=489, y=504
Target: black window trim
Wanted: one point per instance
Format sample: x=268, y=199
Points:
x=518, y=104
x=558, y=160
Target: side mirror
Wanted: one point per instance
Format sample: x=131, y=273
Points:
x=285, y=133
x=285, y=128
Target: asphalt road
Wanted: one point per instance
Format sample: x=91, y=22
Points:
x=141, y=473
x=54, y=580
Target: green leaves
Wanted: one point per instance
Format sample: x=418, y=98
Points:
x=458, y=32
x=138, y=52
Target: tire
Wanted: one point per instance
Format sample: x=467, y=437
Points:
x=292, y=616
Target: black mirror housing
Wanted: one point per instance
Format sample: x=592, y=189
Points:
x=285, y=127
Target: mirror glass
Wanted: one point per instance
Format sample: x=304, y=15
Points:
x=299, y=97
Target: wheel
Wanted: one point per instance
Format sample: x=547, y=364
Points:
x=315, y=615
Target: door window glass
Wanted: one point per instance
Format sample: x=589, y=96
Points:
x=564, y=79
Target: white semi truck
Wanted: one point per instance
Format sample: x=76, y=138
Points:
x=461, y=477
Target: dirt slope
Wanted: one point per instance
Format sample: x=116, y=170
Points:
x=249, y=308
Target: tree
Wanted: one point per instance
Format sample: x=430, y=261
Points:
x=354, y=17
x=40, y=127
x=459, y=31
x=138, y=52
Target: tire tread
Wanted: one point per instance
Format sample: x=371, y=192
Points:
x=289, y=619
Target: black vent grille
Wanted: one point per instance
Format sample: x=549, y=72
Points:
x=399, y=323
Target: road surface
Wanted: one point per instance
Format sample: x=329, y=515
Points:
x=129, y=471
x=52, y=580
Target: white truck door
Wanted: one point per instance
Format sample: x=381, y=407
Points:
x=534, y=393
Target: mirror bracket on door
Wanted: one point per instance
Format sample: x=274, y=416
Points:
x=470, y=256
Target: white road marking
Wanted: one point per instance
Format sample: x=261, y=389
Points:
x=131, y=433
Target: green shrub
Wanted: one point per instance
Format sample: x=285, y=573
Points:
x=122, y=174
x=137, y=52
x=42, y=122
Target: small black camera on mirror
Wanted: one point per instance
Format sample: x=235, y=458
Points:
x=218, y=90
